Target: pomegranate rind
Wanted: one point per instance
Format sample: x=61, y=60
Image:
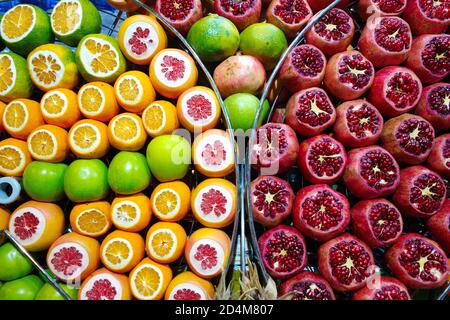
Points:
x=317, y=5
x=420, y=23
x=117, y=281
x=315, y=281
x=185, y=23
x=289, y=29
x=438, y=159
x=240, y=20
x=438, y=226
x=367, y=8
x=188, y=281
x=440, y=121
x=370, y=292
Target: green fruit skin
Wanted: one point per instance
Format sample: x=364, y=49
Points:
x=242, y=109
x=214, y=38
x=24, y=86
x=86, y=180
x=2, y=45
x=25, y=288
x=44, y=181
x=128, y=173
x=168, y=157
x=13, y=264
x=48, y=292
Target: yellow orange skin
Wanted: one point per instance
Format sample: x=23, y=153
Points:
x=102, y=148
x=185, y=195
x=4, y=220
x=188, y=277
x=181, y=237
x=166, y=276
x=134, y=145
x=62, y=146
x=124, y=5
x=148, y=94
x=78, y=209
x=72, y=114
x=111, y=107
x=34, y=119
x=22, y=145
x=2, y=110
x=122, y=279
x=171, y=123
x=143, y=202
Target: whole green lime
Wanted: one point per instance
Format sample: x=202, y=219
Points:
x=242, y=109
x=263, y=41
x=44, y=181
x=48, y=292
x=214, y=38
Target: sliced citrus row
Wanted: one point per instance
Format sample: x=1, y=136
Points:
x=170, y=201
x=14, y=157
x=48, y=143
x=105, y=285
x=213, y=154
x=96, y=101
x=15, y=79
x=131, y=213
x=149, y=280
x=198, y=109
x=134, y=91
x=73, y=257
x=52, y=66
x=121, y=251
x=91, y=219
x=4, y=220
x=36, y=225
x=99, y=58
x=140, y=38
x=71, y=20
x=188, y=286
x=22, y=116
x=126, y=132
x=165, y=242
x=173, y=71
x=89, y=139
x=25, y=27
x=60, y=108
x=159, y=118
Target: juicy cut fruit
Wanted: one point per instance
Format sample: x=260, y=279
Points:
x=126, y=132
x=131, y=213
x=14, y=157
x=36, y=225
x=188, y=286
x=317, y=5
x=48, y=143
x=427, y=16
x=241, y=12
x=438, y=226
x=307, y=286
x=21, y=116
x=97, y=101
x=134, y=91
x=105, y=285
x=59, y=107
x=320, y=212
x=149, y=280
x=48, y=292
x=25, y=288
x=434, y=105
x=386, y=289
x=438, y=160
x=91, y=219
x=15, y=78
x=418, y=262
x=242, y=108
x=180, y=14
x=159, y=118
x=283, y=251
x=165, y=242
x=367, y=8
x=14, y=264
x=44, y=181
x=289, y=15
x=170, y=201
x=4, y=220
x=89, y=139
x=73, y=256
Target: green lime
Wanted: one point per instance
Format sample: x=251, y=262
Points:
x=242, y=109
x=48, y=292
x=214, y=38
x=15, y=81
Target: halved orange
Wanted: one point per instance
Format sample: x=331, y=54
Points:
x=2, y=110
x=126, y=132
x=165, y=242
x=173, y=71
x=21, y=116
x=188, y=286
x=159, y=118
x=91, y=219
x=134, y=91
x=48, y=143
x=131, y=213
x=198, y=109
x=149, y=280
x=4, y=220
x=170, y=201
x=14, y=157
x=60, y=108
x=97, y=101
x=89, y=139
x=105, y=285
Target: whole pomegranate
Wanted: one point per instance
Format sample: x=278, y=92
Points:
x=278, y=115
x=317, y=5
x=348, y=75
x=427, y=16
x=181, y=14
x=307, y=286
x=322, y=159
x=241, y=12
x=386, y=41
x=421, y=192
x=434, y=105
x=289, y=15
x=283, y=251
x=418, y=262
x=310, y=112
x=272, y=199
x=439, y=159
x=386, y=288
x=367, y=8
x=320, y=212
x=371, y=172
x=377, y=222
x=395, y=90
x=346, y=263
x=358, y=124
x=333, y=33
x=439, y=226
x=409, y=138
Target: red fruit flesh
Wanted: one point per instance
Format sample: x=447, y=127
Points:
x=289, y=15
x=275, y=149
x=322, y=159
x=307, y=286
x=434, y=105
x=395, y=90
x=439, y=226
x=333, y=33
x=386, y=289
x=421, y=192
x=186, y=294
x=272, y=200
x=371, y=172
x=409, y=138
x=207, y=255
x=358, y=124
x=303, y=68
x=67, y=261
x=25, y=225
x=283, y=251
x=418, y=262
x=310, y=112
x=367, y=8
x=377, y=222
x=345, y=262
x=181, y=14
x=317, y=5
x=439, y=158
x=241, y=12
x=102, y=289
x=386, y=41
x=348, y=75
x=427, y=16
x=320, y=212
